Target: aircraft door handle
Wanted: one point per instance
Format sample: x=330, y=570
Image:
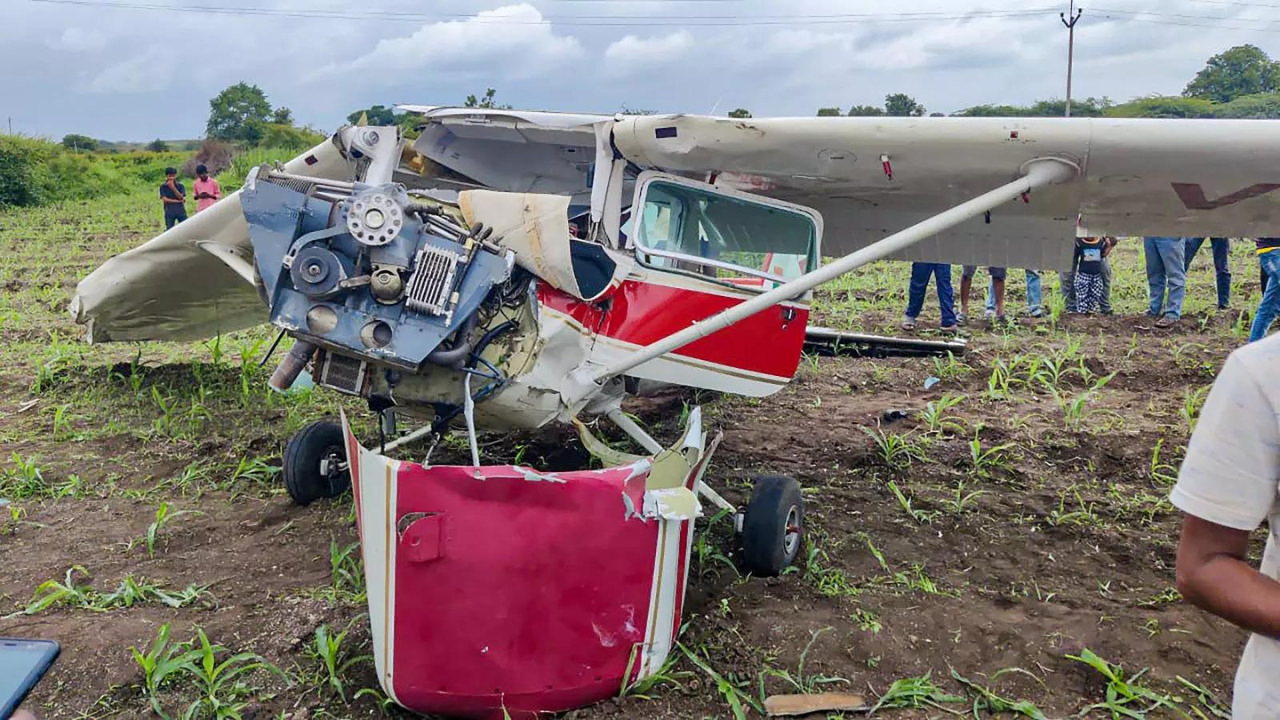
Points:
x=788, y=314
x=423, y=540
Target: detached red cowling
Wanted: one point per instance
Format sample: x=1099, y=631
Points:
x=503, y=588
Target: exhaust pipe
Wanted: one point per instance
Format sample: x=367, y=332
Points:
x=292, y=365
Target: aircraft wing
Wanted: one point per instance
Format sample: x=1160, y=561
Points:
x=172, y=288
x=871, y=177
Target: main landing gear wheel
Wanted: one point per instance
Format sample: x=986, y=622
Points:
x=773, y=525
x=315, y=463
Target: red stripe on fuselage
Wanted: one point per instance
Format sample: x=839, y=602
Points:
x=642, y=313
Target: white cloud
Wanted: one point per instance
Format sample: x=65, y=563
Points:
x=513, y=41
x=76, y=39
x=151, y=71
x=632, y=53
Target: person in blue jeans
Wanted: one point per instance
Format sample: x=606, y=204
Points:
x=1034, y=295
x=1269, y=261
x=1166, y=278
x=1221, y=265
x=920, y=274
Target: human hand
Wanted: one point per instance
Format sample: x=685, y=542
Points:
x=23, y=715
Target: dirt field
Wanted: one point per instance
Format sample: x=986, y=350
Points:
x=1013, y=525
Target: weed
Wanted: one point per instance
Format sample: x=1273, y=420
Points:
x=255, y=470
x=802, y=683
x=1163, y=473
x=867, y=621
x=830, y=581
x=1085, y=514
x=159, y=662
x=1168, y=596
x=706, y=552
x=163, y=518
x=666, y=675
x=24, y=480
x=961, y=500
x=221, y=694
x=985, y=699
x=987, y=461
x=950, y=368
x=920, y=516
x=67, y=592
x=732, y=693
x=346, y=574
x=1192, y=402
x=1124, y=696
x=916, y=692
x=935, y=415
x=334, y=662
x=896, y=451
x=1207, y=700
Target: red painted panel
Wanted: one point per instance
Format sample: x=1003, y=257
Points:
x=522, y=592
x=643, y=313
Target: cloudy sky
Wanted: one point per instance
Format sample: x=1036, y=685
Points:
x=140, y=69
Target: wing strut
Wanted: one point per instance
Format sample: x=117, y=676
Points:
x=1036, y=174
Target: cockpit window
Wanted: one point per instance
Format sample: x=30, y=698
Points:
x=745, y=244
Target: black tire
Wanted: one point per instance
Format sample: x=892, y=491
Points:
x=773, y=525
x=302, y=459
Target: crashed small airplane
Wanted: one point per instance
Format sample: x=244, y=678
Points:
x=513, y=269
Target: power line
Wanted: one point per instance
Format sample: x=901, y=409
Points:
x=1214, y=21
x=578, y=20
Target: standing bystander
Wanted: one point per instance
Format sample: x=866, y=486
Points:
x=1269, y=261
x=206, y=189
x=998, y=275
x=174, y=196
x=1166, y=278
x=1088, y=274
x=920, y=274
x=1221, y=265
x=1226, y=490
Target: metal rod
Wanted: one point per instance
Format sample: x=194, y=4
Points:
x=421, y=432
x=633, y=430
x=1037, y=173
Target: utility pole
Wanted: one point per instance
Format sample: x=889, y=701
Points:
x=1071, y=44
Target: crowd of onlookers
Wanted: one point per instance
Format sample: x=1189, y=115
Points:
x=1086, y=288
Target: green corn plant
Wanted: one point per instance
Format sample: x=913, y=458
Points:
x=327, y=650
x=221, y=693
x=1124, y=696
x=732, y=693
x=67, y=592
x=799, y=681
x=896, y=451
x=24, y=480
x=163, y=518
x=1192, y=402
x=935, y=415
x=987, y=461
x=988, y=701
x=161, y=660
x=915, y=693
x=255, y=470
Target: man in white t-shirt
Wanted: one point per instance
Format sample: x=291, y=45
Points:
x=1229, y=484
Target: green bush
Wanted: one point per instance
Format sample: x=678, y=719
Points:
x=23, y=175
x=35, y=172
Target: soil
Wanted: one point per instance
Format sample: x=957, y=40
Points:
x=1015, y=590
x=1069, y=545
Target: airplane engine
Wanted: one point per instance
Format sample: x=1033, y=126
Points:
x=373, y=283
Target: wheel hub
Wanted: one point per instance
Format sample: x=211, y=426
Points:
x=791, y=538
